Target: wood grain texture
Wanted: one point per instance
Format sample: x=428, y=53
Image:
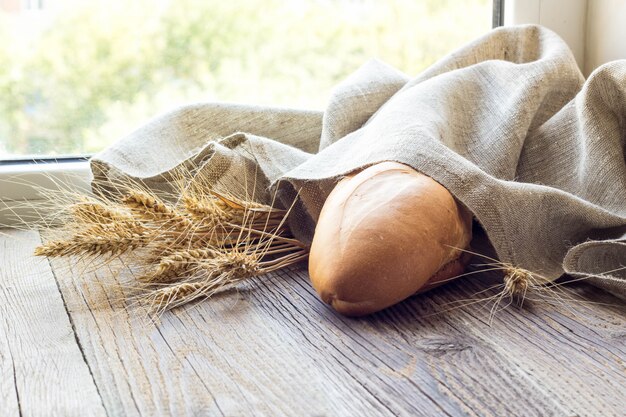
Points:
x=42, y=369
x=272, y=348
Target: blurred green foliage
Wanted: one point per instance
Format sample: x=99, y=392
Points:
x=96, y=70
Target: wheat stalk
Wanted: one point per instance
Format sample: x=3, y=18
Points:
x=191, y=244
x=92, y=212
x=219, y=273
x=204, y=210
x=100, y=239
x=179, y=262
x=151, y=208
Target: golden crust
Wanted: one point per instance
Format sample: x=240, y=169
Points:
x=382, y=235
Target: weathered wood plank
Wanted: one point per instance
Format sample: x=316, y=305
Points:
x=229, y=357
x=557, y=355
x=43, y=372
x=9, y=396
x=418, y=359
x=274, y=349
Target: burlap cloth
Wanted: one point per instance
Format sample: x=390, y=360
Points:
x=507, y=123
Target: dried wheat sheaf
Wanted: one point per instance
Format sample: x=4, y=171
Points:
x=188, y=245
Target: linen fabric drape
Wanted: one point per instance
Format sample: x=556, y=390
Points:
x=506, y=123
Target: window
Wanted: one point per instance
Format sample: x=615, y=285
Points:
x=32, y=4
x=78, y=75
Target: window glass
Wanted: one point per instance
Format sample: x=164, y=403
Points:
x=77, y=74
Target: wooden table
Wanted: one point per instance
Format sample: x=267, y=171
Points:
x=71, y=346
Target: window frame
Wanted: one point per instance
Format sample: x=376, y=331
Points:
x=20, y=179
x=568, y=18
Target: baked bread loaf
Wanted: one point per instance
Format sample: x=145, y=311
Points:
x=384, y=234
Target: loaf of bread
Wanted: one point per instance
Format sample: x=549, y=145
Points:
x=384, y=234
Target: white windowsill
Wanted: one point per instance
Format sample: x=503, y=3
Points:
x=20, y=183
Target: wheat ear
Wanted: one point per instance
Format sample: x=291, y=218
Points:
x=179, y=262
x=103, y=239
